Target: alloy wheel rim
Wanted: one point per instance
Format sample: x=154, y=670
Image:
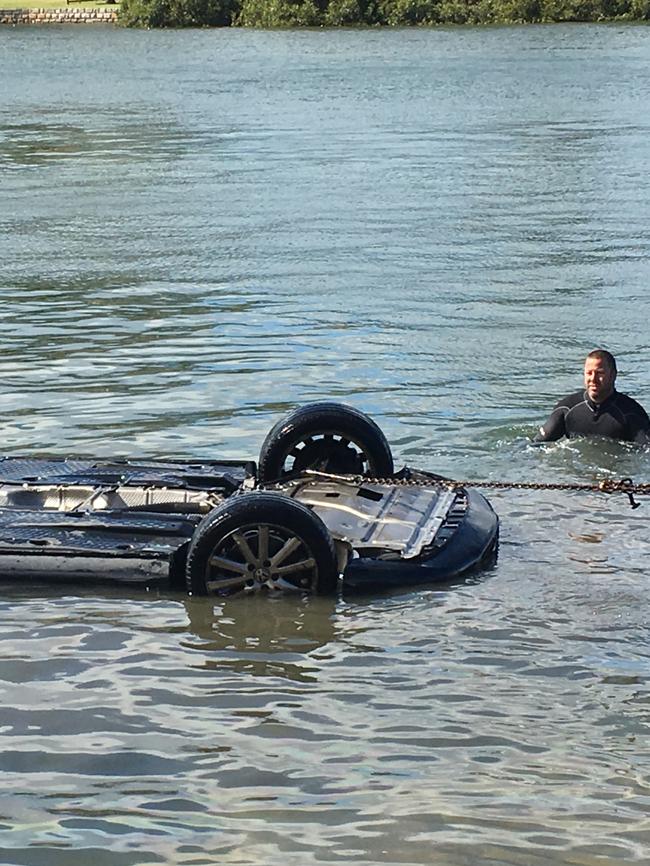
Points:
x=261, y=556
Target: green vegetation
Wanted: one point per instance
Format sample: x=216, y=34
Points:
x=396, y=13
x=178, y=13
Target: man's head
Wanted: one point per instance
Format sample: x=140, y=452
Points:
x=600, y=375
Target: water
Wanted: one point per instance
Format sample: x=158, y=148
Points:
x=200, y=230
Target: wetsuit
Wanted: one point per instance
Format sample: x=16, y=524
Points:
x=618, y=417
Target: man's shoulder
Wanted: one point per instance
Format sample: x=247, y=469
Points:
x=629, y=406
x=571, y=400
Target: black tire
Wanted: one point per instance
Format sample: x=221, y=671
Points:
x=329, y=437
x=261, y=540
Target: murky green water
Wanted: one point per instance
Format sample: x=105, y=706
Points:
x=200, y=230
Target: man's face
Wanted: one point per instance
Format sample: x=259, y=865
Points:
x=599, y=379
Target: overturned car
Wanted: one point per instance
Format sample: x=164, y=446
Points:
x=322, y=508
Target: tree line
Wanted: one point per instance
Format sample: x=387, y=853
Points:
x=395, y=13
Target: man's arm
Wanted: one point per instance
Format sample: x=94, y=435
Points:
x=639, y=424
x=642, y=438
x=554, y=427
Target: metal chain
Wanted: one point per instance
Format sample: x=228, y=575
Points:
x=607, y=485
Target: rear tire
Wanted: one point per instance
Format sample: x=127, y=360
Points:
x=328, y=437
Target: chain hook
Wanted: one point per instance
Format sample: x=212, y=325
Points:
x=627, y=486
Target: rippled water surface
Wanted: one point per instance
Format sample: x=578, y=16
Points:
x=200, y=230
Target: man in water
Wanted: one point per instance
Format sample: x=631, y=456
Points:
x=599, y=410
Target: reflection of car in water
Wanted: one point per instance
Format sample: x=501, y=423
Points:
x=261, y=636
x=323, y=502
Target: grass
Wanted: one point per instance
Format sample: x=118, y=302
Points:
x=53, y=4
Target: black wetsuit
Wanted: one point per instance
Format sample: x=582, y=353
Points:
x=618, y=417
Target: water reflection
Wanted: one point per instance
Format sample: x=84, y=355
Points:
x=50, y=143
x=263, y=637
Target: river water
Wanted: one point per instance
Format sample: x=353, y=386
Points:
x=201, y=230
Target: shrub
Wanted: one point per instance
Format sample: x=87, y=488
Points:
x=640, y=10
x=177, y=13
x=453, y=12
x=571, y=10
x=501, y=11
x=403, y=12
x=279, y=13
x=343, y=12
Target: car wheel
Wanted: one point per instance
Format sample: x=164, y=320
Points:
x=328, y=437
x=261, y=541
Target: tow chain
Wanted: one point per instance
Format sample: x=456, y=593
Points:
x=607, y=485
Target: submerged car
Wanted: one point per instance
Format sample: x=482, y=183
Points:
x=322, y=509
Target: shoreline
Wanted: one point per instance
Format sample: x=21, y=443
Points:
x=102, y=15
x=65, y=15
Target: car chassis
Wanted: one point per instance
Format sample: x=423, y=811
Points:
x=222, y=527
